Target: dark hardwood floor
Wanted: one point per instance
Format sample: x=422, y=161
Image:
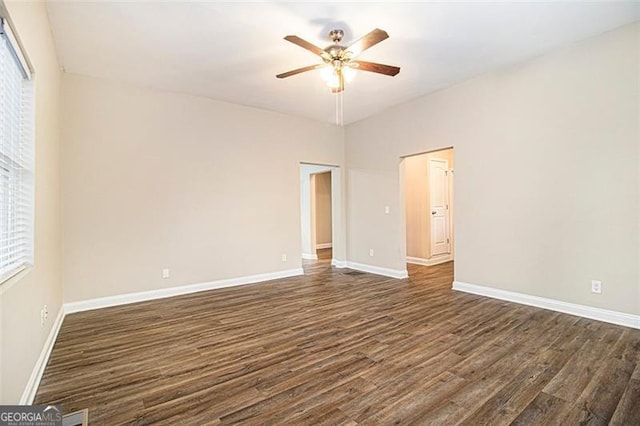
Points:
x=342, y=347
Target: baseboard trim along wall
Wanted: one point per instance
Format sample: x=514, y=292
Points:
x=123, y=299
x=619, y=318
x=36, y=374
x=308, y=256
x=386, y=272
x=324, y=246
x=436, y=260
x=339, y=263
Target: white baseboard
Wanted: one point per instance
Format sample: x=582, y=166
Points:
x=308, y=256
x=614, y=317
x=324, y=246
x=339, y=263
x=436, y=260
x=393, y=273
x=123, y=299
x=36, y=374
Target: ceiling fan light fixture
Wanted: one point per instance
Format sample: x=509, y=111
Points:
x=339, y=62
x=334, y=79
x=331, y=75
x=349, y=73
x=326, y=72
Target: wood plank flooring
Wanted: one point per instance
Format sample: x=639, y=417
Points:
x=342, y=347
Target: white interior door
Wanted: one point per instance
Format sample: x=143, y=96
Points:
x=439, y=206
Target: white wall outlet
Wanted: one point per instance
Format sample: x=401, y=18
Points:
x=44, y=314
x=386, y=210
x=596, y=286
x=166, y=273
x=284, y=257
x=371, y=252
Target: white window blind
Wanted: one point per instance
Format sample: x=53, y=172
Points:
x=16, y=159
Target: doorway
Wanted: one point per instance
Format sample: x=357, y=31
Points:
x=321, y=214
x=428, y=193
x=321, y=225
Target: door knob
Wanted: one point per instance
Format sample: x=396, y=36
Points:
x=433, y=212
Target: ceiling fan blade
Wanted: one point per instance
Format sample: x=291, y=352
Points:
x=365, y=42
x=379, y=68
x=305, y=45
x=299, y=70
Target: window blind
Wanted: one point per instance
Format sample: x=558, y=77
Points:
x=16, y=159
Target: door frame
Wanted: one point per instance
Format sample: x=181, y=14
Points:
x=338, y=238
x=403, y=212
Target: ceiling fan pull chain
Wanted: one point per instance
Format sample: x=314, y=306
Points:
x=340, y=109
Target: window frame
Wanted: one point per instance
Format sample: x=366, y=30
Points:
x=26, y=261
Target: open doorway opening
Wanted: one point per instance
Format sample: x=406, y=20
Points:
x=320, y=214
x=428, y=198
x=321, y=223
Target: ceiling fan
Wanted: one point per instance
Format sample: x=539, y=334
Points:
x=340, y=60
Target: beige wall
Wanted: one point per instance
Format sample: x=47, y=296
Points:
x=21, y=335
x=417, y=202
x=323, y=207
x=561, y=208
x=155, y=180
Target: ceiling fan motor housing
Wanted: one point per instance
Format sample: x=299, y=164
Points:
x=335, y=50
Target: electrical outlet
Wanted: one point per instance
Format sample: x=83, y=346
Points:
x=284, y=257
x=386, y=210
x=371, y=252
x=44, y=314
x=596, y=286
x=166, y=273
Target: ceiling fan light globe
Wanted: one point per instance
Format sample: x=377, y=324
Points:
x=326, y=73
x=349, y=74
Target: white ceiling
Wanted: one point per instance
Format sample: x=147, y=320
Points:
x=232, y=51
